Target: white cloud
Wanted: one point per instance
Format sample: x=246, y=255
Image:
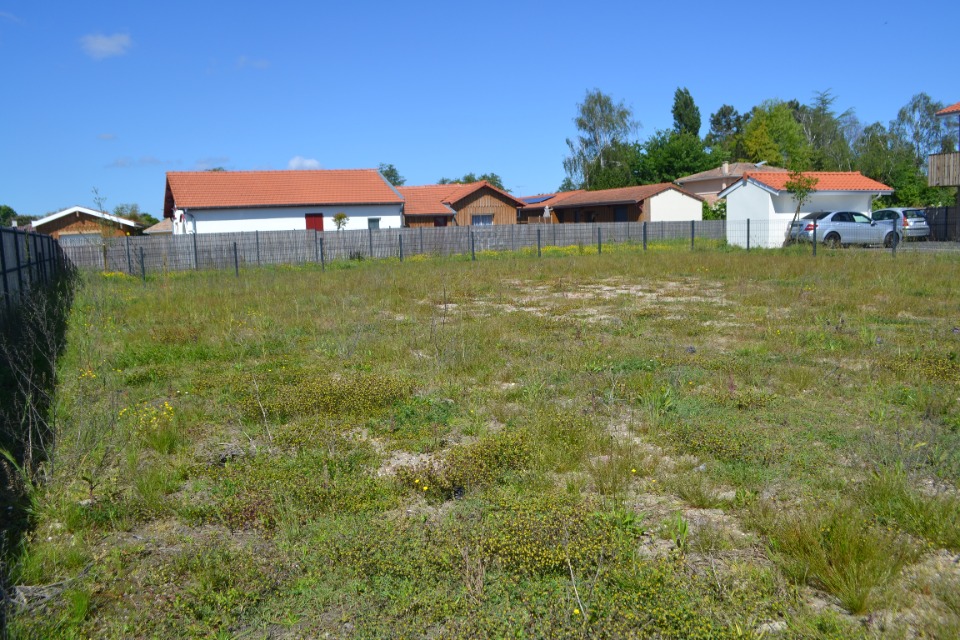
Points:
x=128, y=162
x=243, y=62
x=106, y=136
x=299, y=162
x=99, y=46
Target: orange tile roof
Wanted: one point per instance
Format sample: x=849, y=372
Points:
x=826, y=181
x=949, y=111
x=439, y=199
x=623, y=195
x=427, y=200
x=226, y=189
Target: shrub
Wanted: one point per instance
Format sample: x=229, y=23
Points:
x=347, y=394
x=469, y=466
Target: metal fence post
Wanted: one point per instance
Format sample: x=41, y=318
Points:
x=748, y=234
x=129, y=263
x=473, y=249
x=258, y=247
x=896, y=237
x=236, y=260
x=421, y=240
x=692, y=232
x=370, y=239
x=539, y=251
x=323, y=265
x=643, y=232
x=143, y=266
x=814, y=236
x=196, y=254
x=16, y=251
x=400, y=245
x=3, y=262
x=599, y=242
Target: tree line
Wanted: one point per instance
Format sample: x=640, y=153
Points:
x=605, y=154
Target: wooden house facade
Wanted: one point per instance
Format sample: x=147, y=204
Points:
x=474, y=204
x=83, y=225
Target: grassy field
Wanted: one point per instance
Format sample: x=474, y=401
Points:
x=666, y=444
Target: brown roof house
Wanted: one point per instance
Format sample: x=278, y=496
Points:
x=760, y=204
x=80, y=225
x=645, y=203
x=709, y=184
x=229, y=201
x=475, y=203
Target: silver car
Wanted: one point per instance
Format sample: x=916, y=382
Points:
x=910, y=223
x=842, y=228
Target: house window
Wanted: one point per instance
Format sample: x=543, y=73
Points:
x=373, y=223
x=481, y=220
x=314, y=221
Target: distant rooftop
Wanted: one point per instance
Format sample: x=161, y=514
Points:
x=729, y=169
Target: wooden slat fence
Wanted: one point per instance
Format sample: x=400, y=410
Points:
x=149, y=254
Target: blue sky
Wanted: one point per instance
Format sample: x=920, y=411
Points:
x=114, y=94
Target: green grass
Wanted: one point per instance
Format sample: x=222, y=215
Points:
x=664, y=444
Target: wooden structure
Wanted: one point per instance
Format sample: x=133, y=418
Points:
x=944, y=170
x=80, y=224
x=473, y=204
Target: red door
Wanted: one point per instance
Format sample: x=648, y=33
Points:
x=315, y=221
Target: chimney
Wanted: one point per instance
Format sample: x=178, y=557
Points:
x=726, y=168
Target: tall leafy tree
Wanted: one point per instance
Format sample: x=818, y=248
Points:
x=774, y=135
x=601, y=124
x=825, y=131
x=686, y=114
x=7, y=215
x=668, y=155
x=918, y=125
x=889, y=157
x=393, y=176
x=726, y=133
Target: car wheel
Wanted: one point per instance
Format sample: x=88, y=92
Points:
x=889, y=239
x=832, y=240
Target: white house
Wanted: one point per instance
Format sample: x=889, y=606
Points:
x=229, y=201
x=762, y=198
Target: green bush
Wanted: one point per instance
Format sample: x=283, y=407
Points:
x=347, y=394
